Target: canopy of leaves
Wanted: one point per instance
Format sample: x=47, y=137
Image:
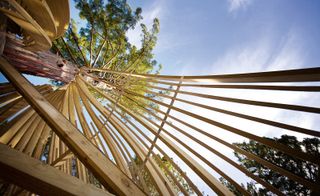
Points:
x=101, y=42
x=142, y=177
x=299, y=167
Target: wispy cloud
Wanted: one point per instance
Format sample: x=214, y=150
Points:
x=269, y=54
x=235, y=5
x=265, y=53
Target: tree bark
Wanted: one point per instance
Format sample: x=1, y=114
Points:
x=44, y=64
x=3, y=27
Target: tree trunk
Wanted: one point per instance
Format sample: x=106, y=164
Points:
x=44, y=64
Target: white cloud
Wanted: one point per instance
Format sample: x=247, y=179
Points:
x=262, y=54
x=268, y=54
x=235, y=5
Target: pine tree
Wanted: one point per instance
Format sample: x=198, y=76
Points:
x=299, y=167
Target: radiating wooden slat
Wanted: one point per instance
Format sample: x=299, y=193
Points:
x=297, y=75
x=248, y=117
x=247, y=87
x=267, y=142
x=31, y=145
x=190, y=183
x=236, y=149
x=252, y=102
x=163, y=121
x=107, y=173
x=85, y=92
x=208, y=178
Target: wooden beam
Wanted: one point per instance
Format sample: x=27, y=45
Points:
x=3, y=28
x=103, y=169
x=33, y=175
x=294, y=75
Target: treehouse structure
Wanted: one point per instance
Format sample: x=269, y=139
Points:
x=83, y=139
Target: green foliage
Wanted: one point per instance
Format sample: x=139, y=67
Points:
x=142, y=177
x=166, y=163
x=103, y=40
x=102, y=43
x=299, y=167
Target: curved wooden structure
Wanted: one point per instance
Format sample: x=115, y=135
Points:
x=101, y=131
x=41, y=21
x=167, y=134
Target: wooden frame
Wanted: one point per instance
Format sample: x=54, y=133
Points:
x=39, y=178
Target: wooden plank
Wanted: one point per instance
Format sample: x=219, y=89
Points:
x=252, y=102
x=39, y=178
x=40, y=40
x=248, y=117
x=272, y=144
x=244, y=170
x=295, y=75
x=163, y=121
x=85, y=94
x=193, y=164
x=40, y=12
x=251, y=87
x=103, y=169
x=61, y=12
x=161, y=183
x=32, y=142
x=183, y=174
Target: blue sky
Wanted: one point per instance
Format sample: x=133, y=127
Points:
x=229, y=36
x=208, y=37
x=232, y=36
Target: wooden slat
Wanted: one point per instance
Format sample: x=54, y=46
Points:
x=297, y=75
x=248, y=117
x=199, y=169
x=37, y=177
x=242, y=169
x=267, y=142
x=41, y=41
x=163, y=121
x=247, y=87
x=158, y=148
x=104, y=170
x=85, y=95
x=61, y=13
x=252, y=102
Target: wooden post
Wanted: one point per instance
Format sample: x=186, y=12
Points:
x=32, y=174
